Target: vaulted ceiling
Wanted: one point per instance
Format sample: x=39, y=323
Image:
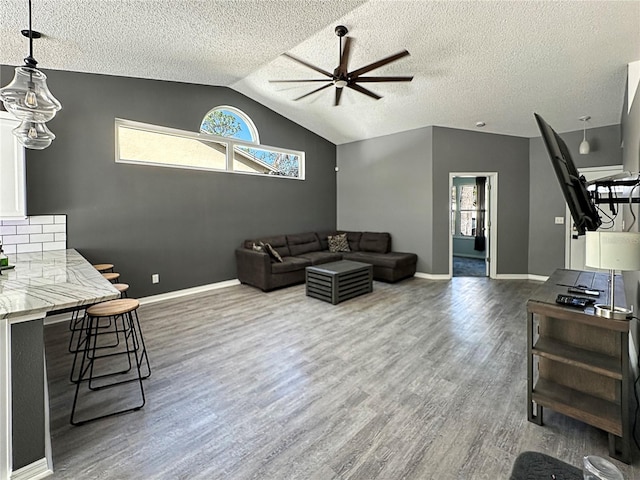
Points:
x=490, y=61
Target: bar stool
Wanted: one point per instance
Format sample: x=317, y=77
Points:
x=132, y=349
x=111, y=276
x=103, y=267
x=122, y=288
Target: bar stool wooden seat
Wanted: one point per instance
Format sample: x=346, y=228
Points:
x=111, y=276
x=103, y=267
x=122, y=288
x=125, y=362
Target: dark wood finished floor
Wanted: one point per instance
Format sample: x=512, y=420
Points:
x=417, y=380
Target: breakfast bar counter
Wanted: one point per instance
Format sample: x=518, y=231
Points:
x=40, y=284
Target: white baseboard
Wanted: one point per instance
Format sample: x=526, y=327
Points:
x=187, y=291
x=34, y=471
x=431, y=276
x=538, y=278
x=521, y=276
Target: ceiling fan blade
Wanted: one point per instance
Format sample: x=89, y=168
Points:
x=384, y=79
x=338, y=95
x=314, y=91
x=295, y=81
x=360, y=89
x=378, y=64
x=344, y=57
x=306, y=64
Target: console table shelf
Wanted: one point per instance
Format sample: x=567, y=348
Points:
x=578, y=362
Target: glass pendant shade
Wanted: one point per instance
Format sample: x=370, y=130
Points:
x=35, y=136
x=584, y=147
x=28, y=98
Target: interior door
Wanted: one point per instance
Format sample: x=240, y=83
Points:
x=575, y=244
x=487, y=226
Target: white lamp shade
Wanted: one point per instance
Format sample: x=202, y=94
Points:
x=613, y=250
x=584, y=147
x=27, y=97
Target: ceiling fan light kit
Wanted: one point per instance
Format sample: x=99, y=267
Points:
x=29, y=100
x=341, y=78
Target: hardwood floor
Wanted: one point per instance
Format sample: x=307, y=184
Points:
x=417, y=380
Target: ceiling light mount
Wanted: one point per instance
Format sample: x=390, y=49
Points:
x=341, y=30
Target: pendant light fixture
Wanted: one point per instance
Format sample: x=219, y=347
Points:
x=28, y=99
x=584, y=145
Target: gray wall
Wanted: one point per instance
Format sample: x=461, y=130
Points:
x=27, y=393
x=182, y=224
x=400, y=183
x=385, y=184
x=471, y=151
x=546, y=239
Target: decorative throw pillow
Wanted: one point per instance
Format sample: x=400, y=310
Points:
x=338, y=243
x=273, y=253
x=257, y=248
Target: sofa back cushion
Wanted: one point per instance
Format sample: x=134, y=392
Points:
x=375, y=242
x=354, y=240
x=279, y=243
x=303, y=243
x=323, y=236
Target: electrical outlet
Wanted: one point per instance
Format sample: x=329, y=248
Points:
x=155, y=278
x=559, y=220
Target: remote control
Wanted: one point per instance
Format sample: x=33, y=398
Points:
x=571, y=301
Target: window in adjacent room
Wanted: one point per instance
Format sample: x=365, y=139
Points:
x=464, y=210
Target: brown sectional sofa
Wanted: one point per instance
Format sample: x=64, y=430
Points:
x=302, y=250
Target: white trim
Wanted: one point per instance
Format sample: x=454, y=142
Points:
x=5, y=400
x=431, y=276
x=492, y=181
x=520, y=276
x=34, y=471
x=48, y=451
x=187, y=291
x=230, y=143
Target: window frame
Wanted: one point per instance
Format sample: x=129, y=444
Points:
x=245, y=118
x=230, y=143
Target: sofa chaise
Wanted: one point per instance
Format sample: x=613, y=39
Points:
x=279, y=261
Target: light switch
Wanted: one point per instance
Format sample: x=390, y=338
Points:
x=559, y=220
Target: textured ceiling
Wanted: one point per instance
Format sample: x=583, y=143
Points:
x=491, y=61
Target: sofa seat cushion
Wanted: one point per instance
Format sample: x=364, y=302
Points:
x=290, y=264
x=375, y=242
x=317, y=258
x=386, y=260
x=303, y=243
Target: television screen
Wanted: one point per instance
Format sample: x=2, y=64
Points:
x=581, y=205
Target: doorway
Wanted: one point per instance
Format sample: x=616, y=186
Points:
x=472, y=222
x=574, y=244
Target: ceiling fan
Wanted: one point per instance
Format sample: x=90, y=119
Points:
x=341, y=77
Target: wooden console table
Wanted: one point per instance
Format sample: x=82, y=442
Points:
x=578, y=363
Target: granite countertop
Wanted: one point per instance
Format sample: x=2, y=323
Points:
x=49, y=281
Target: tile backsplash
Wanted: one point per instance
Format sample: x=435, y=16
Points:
x=34, y=234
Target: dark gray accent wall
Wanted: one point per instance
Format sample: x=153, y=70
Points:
x=27, y=393
x=181, y=224
x=385, y=184
x=546, y=239
x=469, y=151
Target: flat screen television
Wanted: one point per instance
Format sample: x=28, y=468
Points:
x=581, y=205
